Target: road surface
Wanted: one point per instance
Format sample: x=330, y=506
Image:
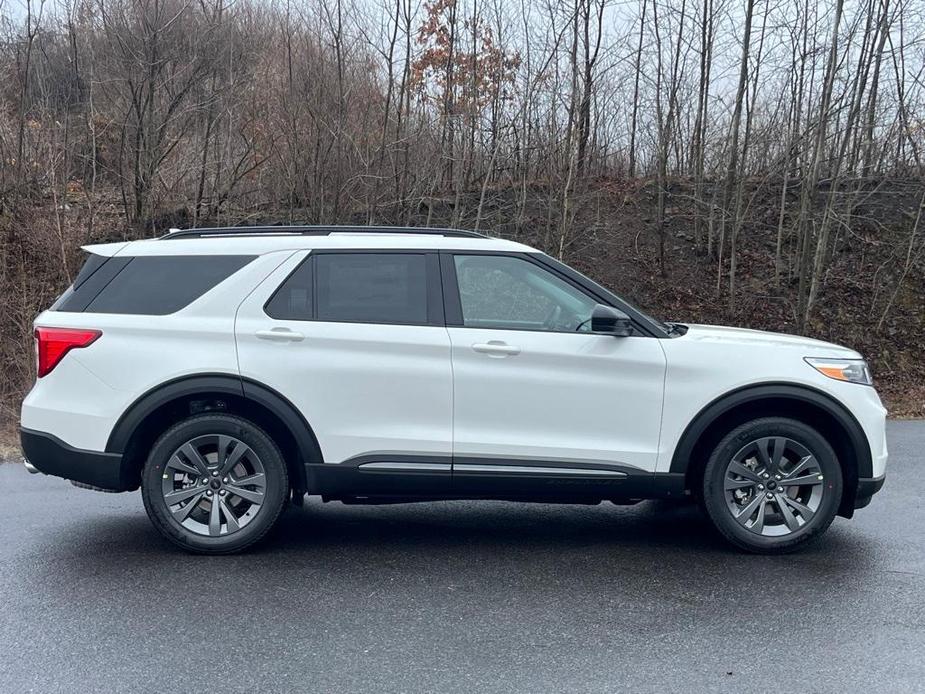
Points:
x=460, y=597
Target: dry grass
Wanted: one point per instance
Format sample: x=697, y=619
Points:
x=905, y=404
x=9, y=444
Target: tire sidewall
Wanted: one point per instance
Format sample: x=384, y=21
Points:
x=714, y=480
x=276, y=492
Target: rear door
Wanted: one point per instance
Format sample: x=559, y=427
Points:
x=540, y=403
x=356, y=341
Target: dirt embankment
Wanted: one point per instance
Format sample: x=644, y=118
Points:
x=872, y=297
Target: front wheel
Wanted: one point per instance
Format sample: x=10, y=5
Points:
x=772, y=485
x=214, y=484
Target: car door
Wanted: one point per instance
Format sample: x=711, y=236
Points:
x=355, y=340
x=539, y=401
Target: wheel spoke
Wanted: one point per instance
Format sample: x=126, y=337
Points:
x=746, y=513
x=761, y=445
x=778, y=452
x=255, y=496
x=215, y=521
x=230, y=519
x=176, y=463
x=758, y=525
x=801, y=467
x=737, y=468
x=182, y=495
x=771, y=452
x=786, y=512
x=805, y=511
x=801, y=481
x=229, y=460
x=181, y=513
x=732, y=484
x=222, y=444
x=193, y=456
x=256, y=480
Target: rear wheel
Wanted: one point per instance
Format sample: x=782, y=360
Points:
x=772, y=485
x=214, y=484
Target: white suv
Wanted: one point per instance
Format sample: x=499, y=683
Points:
x=225, y=370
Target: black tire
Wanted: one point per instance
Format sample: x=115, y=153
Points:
x=274, y=493
x=717, y=504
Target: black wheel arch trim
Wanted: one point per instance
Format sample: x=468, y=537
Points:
x=724, y=403
x=231, y=384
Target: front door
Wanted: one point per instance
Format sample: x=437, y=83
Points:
x=540, y=402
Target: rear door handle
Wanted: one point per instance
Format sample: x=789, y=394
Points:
x=280, y=335
x=496, y=348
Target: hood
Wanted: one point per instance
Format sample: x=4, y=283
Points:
x=762, y=338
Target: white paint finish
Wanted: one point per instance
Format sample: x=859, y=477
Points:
x=563, y=396
x=362, y=387
x=747, y=339
x=74, y=405
x=389, y=388
x=710, y=361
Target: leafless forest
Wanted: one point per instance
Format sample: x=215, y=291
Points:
x=757, y=162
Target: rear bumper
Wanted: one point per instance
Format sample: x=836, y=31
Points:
x=867, y=487
x=50, y=455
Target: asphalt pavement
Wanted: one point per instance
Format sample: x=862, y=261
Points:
x=460, y=596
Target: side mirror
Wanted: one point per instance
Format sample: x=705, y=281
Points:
x=606, y=320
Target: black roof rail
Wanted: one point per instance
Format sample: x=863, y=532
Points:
x=314, y=230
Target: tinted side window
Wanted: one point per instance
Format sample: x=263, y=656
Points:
x=293, y=299
x=371, y=287
x=158, y=285
x=504, y=292
x=95, y=274
x=90, y=266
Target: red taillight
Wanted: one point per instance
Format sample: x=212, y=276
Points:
x=52, y=344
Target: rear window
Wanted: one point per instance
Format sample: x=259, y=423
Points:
x=147, y=285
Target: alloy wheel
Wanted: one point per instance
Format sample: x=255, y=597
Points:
x=214, y=485
x=773, y=486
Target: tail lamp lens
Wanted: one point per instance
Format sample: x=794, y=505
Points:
x=51, y=344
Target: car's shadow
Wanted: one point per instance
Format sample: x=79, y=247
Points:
x=669, y=544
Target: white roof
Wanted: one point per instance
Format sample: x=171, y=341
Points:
x=257, y=244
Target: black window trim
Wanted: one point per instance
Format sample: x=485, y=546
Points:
x=643, y=326
x=434, y=285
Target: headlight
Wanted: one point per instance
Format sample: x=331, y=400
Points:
x=850, y=370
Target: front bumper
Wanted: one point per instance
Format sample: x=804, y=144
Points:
x=50, y=455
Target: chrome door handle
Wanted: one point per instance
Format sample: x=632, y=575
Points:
x=280, y=335
x=496, y=348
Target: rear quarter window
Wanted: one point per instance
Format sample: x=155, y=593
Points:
x=150, y=285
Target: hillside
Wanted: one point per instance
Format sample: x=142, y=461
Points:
x=614, y=239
